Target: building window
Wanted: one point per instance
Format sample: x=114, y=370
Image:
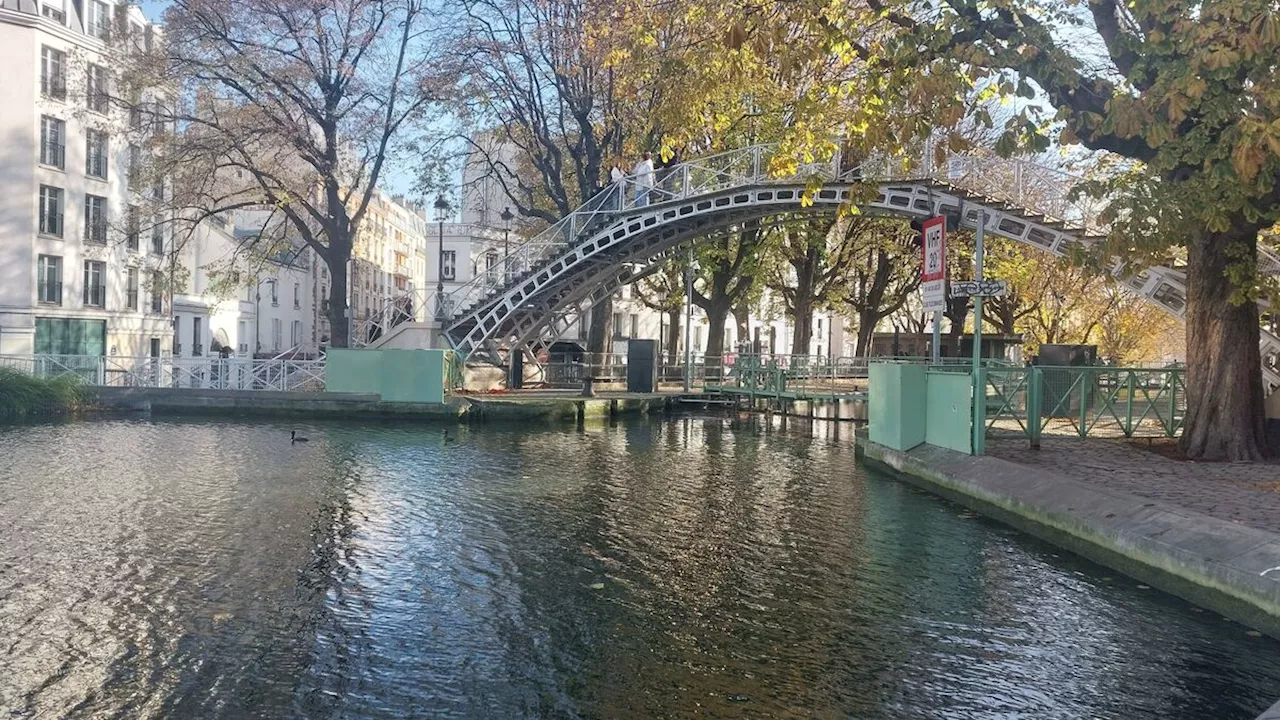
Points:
x=697, y=339
x=635, y=325
x=135, y=166
x=132, y=228
x=95, y=283
x=275, y=293
x=131, y=289
x=50, y=210
x=53, y=142
x=157, y=293
x=295, y=334
x=157, y=235
x=297, y=295
x=53, y=73
x=619, y=328
x=96, y=97
x=275, y=334
x=448, y=264
x=95, y=154
x=242, y=332
x=54, y=10
x=177, y=335
x=99, y=19
x=49, y=270
x=95, y=219
x=197, y=347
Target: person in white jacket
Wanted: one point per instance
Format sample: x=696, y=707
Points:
x=644, y=179
x=617, y=188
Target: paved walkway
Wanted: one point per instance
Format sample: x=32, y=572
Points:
x=1244, y=493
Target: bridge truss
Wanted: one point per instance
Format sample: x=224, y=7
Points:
x=628, y=231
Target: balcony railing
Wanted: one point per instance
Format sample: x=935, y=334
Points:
x=54, y=86
x=95, y=232
x=95, y=296
x=54, y=155
x=50, y=293
x=51, y=224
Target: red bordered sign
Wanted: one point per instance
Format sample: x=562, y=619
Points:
x=933, y=268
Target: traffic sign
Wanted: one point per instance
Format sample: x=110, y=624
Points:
x=979, y=288
x=933, y=269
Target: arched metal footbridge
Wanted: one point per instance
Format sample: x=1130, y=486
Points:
x=629, y=230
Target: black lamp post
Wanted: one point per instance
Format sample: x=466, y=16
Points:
x=442, y=207
x=507, y=216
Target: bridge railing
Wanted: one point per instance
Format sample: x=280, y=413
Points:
x=209, y=373
x=1084, y=401
x=697, y=176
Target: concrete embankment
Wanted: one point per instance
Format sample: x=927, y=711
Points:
x=457, y=408
x=1224, y=566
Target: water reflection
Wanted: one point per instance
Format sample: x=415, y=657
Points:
x=700, y=566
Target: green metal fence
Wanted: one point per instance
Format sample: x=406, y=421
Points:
x=1083, y=401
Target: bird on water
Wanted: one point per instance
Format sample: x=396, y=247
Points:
x=294, y=437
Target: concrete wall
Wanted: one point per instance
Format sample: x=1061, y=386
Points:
x=896, y=402
x=949, y=411
x=402, y=376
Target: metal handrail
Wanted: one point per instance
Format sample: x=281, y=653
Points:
x=213, y=373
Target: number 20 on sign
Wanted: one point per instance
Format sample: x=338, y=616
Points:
x=933, y=270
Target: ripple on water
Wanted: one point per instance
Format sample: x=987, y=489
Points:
x=665, y=568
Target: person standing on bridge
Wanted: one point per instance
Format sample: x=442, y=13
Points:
x=644, y=179
x=617, y=187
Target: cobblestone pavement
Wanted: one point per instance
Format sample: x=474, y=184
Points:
x=1245, y=493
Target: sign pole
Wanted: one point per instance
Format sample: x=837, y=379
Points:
x=688, y=322
x=979, y=382
x=937, y=337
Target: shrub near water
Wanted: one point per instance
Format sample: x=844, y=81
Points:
x=22, y=395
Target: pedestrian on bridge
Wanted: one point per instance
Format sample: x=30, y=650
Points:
x=644, y=179
x=617, y=187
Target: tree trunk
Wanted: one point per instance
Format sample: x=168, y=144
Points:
x=802, y=319
x=867, y=322
x=1225, y=417
x=600, y=334
x=716, y=317
x=742, y=321
x=957, y=312
x=673, y=335
x=338, y=323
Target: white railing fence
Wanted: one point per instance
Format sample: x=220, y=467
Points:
x=210, y=373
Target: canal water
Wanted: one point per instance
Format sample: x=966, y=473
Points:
x=690, y=567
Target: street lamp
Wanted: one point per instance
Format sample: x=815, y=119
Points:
x=442, y=207
x=507, y=216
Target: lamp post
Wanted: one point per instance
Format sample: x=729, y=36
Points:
x=507, y=216
x=442, y=207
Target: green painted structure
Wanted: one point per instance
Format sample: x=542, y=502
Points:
x=948, y=410
x=398, y=376
x=911, y=404
x=896, y=403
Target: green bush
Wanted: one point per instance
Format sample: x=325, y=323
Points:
x=23, y=396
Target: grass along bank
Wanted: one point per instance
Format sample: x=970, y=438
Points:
x=23, y=396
